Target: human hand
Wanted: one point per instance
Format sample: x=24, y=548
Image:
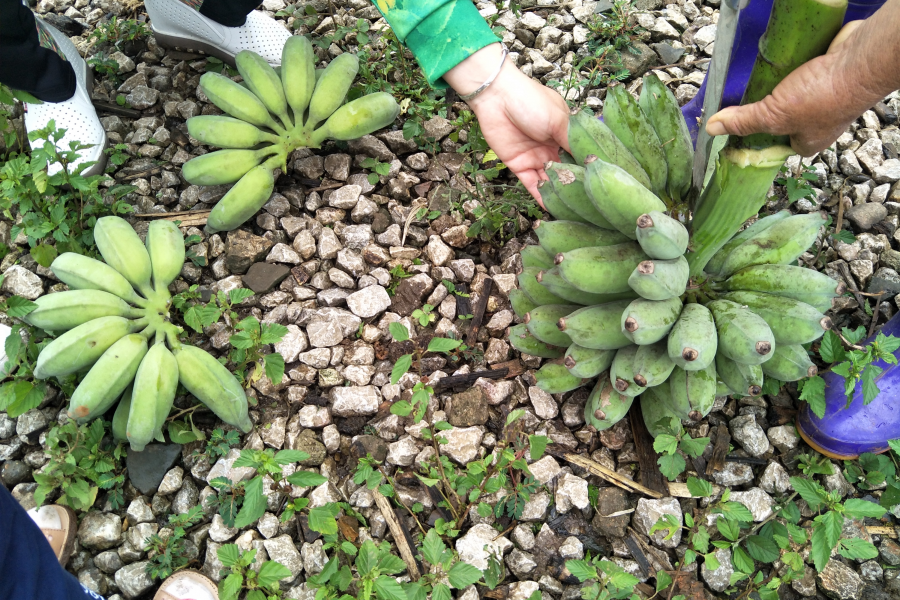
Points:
x=523, y=122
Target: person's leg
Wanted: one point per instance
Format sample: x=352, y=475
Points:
x=230, y=13
x=29, y=569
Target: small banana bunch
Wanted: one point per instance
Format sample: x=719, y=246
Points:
x=607, y=293
x=115, y=319
x=270, y=118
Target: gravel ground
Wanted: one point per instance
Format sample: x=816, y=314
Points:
x=321, y=261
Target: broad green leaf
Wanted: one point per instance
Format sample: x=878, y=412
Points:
x=231, y=586
x=254, y=503
x=711, y=562
x=462, y=574
x=18, y=307
x=869, y=387
x=433, y=547
x=832, y=523
x=856, y=508
x=306, y=479
x=441, y=592
x=665, y=444
x=699, y=487
x=398, y=331
x=387, y=588
x=762, y=548
x=274, y=364
x=830, y=348
x=390, y=564
x=741, y=560
x=814, y=394
x=730, y=529
x=322, y=519
x=400, y=367
x=401, y=408
x=514, y=415
x=809, y=490
x=890, y=497
x=272, y=333
x=582, y=569
x=663, y=580
x=820, y=549
x=238, y=295
x=693, y=447
x=671, y=465
x=289, y=457
x=536, y=445
x=228, y=554
x=44, y=254
x=272, y=572
x=857, y=549
x=736, y=510
x=443, y=344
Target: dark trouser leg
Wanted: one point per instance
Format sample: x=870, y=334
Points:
x=230, y=13
x=25, y=64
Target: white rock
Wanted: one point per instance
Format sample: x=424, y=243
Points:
x=358, y=401
x=292, y=344
x=757, y=501
x=479, y=542
x=648, y=512
x=571, y=491
x=369, y=301
x=463, y=444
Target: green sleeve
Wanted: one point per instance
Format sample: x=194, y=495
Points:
x=440, y=33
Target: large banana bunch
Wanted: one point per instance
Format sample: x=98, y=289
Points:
x=117, y=331
x=608, y=294
x=270, y=118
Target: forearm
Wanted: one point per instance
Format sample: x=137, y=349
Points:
x=868, y=62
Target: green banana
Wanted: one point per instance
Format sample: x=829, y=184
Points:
x=563, y=236
x=64, y=310
x=652, y=364
x=693, y=341
x=522, y=340
x=264, y=82
x=555, y=378
x=332, y=88
x=743, y=335
x=541, y=322
x=658, y=103
x=799, y=283
x=567, y=182
x=600, y=269
x=237, y=101
x=618, y=196
x=553, y=281
x=243, y=200
x=656, y=408
x=597, y=327
x=124, y=251
x=605, y=406
x=791, y=321
x=538, y=294
x=589, y=136
x=165, y=245
x=724, y=390
x=714, y=266
x=621, y=373
x=745, y=380
x=120, y=417
x=153, y=393
x=535, y=256
x=358, y=118
x=520, y=302
x=214, y=385
x=108, y=378
x=227, y=132
x=80, y=347
x=623, y=115
x=696, y=389
x=648, y=321
x=660, y=279
x=565, y=158
x=587, y=362
x=780, y=244
x=789, y=362
x=298, y=73
x=552, y=203
x=661, y=236
x=223, y=166
x=82, y=273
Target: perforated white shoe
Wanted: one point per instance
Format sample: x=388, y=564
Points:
x=178, y=25
x=76, y=115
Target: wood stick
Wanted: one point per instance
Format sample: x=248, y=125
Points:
x=117, y=110
x=399, y=533
x=720, y=449
x=469, y=378
x=643, y=446
x=478, y=315
x=463, y=303
x=680, y=490
x=638, y=554
x=851, y=283
x=610, y=475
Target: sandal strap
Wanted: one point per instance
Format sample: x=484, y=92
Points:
x=57, y=540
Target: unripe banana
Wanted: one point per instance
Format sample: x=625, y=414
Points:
x=741, y=379
x=661, y=236
x=332, y=88
x=541, y=322
x=780, y=244
x=358, y=118
x=597, y=327
x=538, y=294
x=298, y=73
x=555, y=378
x=568, y=183
x=64, y=310
x=724, y=390
x=589, y=135
x=82, y=273
x=656, y=409
x=621, y=373
x=155, y=383
x=658, y=103
x=165, y=245
x=660, y=279
x=124, y=251
x=648, y=321
x=80, y=347
x=120, y=417
x=601, y=269
x=108, y=378
x=714, y=266
x=626, y=119
x=563, y=236
x=236, y=100
x=652, y=364
x=791, y=321
x=535, y=256
x=521, y=303
x=264, y=82
x=522, y=340
x=555, y=206
x=806, y=285
x=693, y=341
x=223, y=166
x=587, y=362
x=214, y=385
x=605, y=406
x=618, y=196
x=743, y=335
x=243, y=200
x=789, y=362
x=227, y=132
x=566, y=159
x=553, y=281
x=694, y=388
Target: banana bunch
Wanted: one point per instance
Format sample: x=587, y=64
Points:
x=115, y=320
x=607, y=294
x=270, y=118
